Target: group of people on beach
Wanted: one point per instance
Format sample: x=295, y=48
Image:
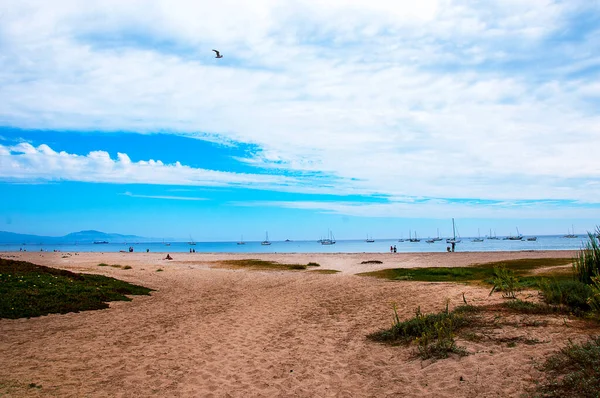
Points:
x=393, y=249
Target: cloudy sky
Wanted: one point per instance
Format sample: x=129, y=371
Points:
x=360, y=116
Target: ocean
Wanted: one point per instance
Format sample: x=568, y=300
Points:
x=554, y=242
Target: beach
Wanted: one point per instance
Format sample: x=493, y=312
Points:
x=213, y=331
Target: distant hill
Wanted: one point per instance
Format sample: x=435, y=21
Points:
x=75, y=237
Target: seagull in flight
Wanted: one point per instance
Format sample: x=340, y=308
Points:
x=218, y=54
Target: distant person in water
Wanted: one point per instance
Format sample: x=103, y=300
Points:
x=391, y=249
x=395, y=249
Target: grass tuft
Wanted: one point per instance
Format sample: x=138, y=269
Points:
x=30, y=290
x=573, y=372
x=527, y=307
x=587, y=262
x=325, y=271
x=264, y=265
x=371, y=262
x=571, y=293
x=433, y=333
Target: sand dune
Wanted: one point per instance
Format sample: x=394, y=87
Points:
x=219, y=332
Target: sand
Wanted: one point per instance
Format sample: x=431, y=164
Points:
x=215, y=332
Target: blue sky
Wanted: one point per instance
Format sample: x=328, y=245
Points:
x=365, y=117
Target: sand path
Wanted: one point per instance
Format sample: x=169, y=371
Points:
x=218, y=332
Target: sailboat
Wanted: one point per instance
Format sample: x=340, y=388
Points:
x=438, y=239
x=266, y=241
x=166, y=244
x=494, y=237
x=415, y=239
x=241, y=242
x=191, y=242
x=330, y=240
x=571, y=235
x=478, y=239
x=518, y=237
x=453, y=240
x=369, y=240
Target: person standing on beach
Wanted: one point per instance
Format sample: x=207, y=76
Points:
x=453, y=246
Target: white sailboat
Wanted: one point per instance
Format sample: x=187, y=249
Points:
x=369, y=240
x=571, y=234
x=453, y=240
x=241, y=242
x=330, y=240
x=415, y=239
x=478, y=239
x=191, y=242
x=492, y=237
x=266, y=241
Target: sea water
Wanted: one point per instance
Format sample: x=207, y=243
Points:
x=554, y=242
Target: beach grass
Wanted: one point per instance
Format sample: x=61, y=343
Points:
x=263, y=265
x=325, y=271
x=574, y=371
x=114, y=266
x=483, y=272
x=30, y=290
x=433, y=334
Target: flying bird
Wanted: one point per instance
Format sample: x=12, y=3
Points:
x=218, y=54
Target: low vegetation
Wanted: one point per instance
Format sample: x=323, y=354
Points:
x=434, y=334
x=264, y=265
x=475, y=273
x=325, y=271
x=114, y=266
x=29, y=290
x=371, y=262
x=587, y=262
x=574, y=371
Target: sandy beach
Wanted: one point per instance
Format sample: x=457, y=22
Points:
x=208, y=331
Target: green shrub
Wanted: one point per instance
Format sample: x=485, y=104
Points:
x=594, y=299
x=311, y=264
x=572, y=293
x=505, y=281
x=587, y=262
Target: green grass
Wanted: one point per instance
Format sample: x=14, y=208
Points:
x=527, y=307
x=587, y=262
x=114, y=266
x=432, y=333
x=29, y=290
x=264, y=265
x=325, y=271
x=477, y=272
x=573, y=372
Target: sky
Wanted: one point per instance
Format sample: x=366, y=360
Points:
x=363, y=117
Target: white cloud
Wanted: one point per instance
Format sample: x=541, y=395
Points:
x=26, y=162
x=432, y=98
x=437, y=209
x=167, y=197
